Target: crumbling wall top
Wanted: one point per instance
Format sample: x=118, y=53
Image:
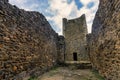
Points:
x=81, y=18
x=5, y=1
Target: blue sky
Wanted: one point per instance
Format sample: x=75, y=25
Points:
x=55, y=10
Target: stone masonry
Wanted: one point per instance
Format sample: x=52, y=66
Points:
x=105, y=40
x=61, y=49
x=27, y=43
x=30, y=47
x=75, y=31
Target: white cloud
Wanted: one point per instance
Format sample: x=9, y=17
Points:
x=64, y=10
x=19, y=3
x=85, y=2
x=61, y=9
x=23, y=4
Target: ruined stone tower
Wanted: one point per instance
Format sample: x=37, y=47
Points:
x=75, y=31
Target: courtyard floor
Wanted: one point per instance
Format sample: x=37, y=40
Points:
x=70, y=73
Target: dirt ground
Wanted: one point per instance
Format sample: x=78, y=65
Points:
x=66, y=73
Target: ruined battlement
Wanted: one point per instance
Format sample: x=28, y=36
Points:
x=77, y=25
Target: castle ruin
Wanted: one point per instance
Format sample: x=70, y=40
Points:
x=75, y=32
x=30, y=47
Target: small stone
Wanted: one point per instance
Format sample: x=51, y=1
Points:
x=14, y=68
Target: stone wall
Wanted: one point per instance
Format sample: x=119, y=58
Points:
x=105, y=40
x=27, y=43
x=75, y=31
x=61, y=49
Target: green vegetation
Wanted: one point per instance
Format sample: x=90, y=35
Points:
x=54, y=68
x=33, y=78
x=95, y=72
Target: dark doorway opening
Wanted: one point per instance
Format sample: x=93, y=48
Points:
x=75, y=56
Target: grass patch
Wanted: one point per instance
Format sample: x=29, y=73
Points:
x=97, y=75
x=54, y=68
x=33, y=78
